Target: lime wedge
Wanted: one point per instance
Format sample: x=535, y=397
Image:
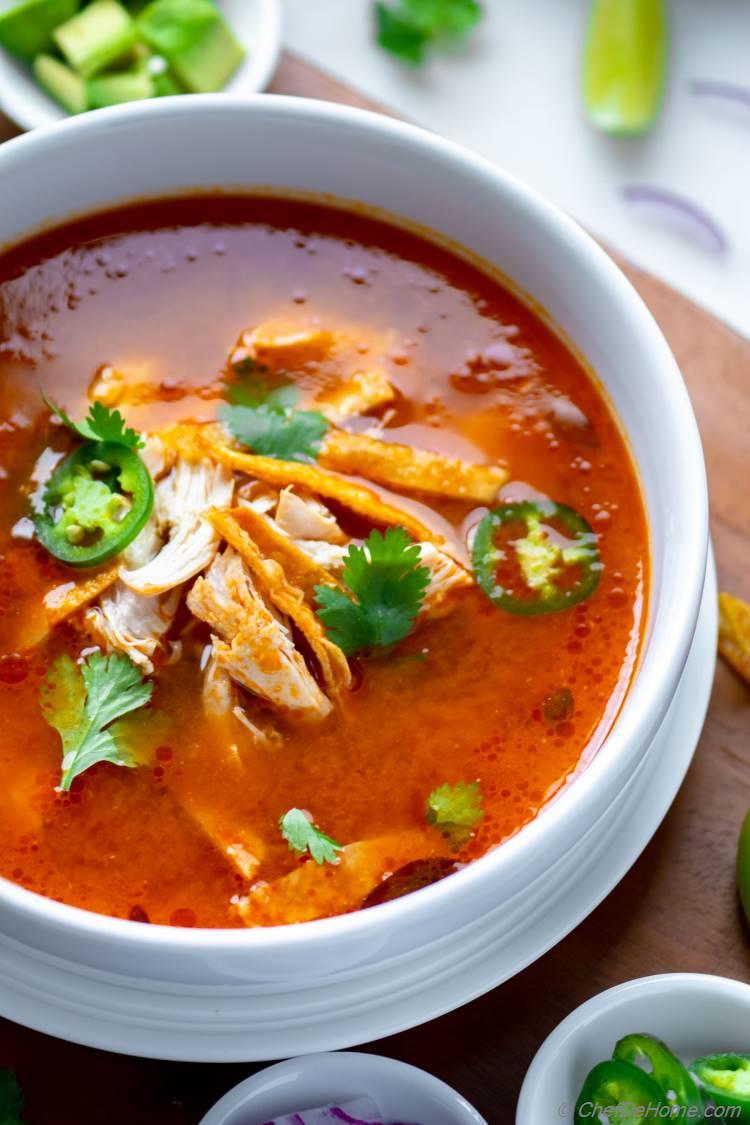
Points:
x=625, y=64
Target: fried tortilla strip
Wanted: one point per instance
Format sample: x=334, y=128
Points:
x=283, y=349
x=363, y=392
x=312, y=891
x=256, y=646
x=734, y=633
x=289, y=599
x=300, y=569
x=206, y=441
x=413, y=470
x=63, y=601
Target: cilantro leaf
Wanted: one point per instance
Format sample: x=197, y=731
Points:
x=302, y=836
x=389, y=586
x=11, y=1098
x=409, y=28
x=80, y=703
x=456, y=809
x=273, y=431
x=100, y=424
x=256, y=389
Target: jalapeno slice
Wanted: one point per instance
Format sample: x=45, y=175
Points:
x=618, y=1092
x=95, y=504
x=534, y=557
x=725, y=1079
x=677, y=1085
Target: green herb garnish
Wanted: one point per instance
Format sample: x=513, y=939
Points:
x=100, y=424
x=302, y=836
x=388, y=587
x=11, y=1098
x=82, y=702
x=260, y=415
x=456, y=810
x=409, y=28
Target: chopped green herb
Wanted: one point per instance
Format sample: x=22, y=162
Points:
x=101, y=424
x=409, y=28
x=274, y=431
x=11, y=1098
x=456, y=810
x=302, y=836
x=388, y=584
x=258, y=388
x=82, y=702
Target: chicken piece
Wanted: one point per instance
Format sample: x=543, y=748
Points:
x=288, y=599
x=311, y=891
x=304, y=517
x=363, y=392
x=132, y=623
x=260, y=497
x=181, y=500
x=220, y=703
x=445, y=576
x=65, y=600
x=734, y=634
x=413, y=470
x=254, y=643
x=282, y=348
x=194, y=441
x=328, y=556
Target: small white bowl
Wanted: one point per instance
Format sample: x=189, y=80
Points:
x=256, y=23
x=695, y=1015
x=401, y=1092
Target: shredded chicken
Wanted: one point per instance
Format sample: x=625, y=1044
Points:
x=313, y=891
x=65, y=600
x=276, y=587
x=254, y=643
x=281, y=348
x=445, y=576
x=364, y=391
x=181, y=500
x=304, y=517
x=419, y=470
x=221, y=704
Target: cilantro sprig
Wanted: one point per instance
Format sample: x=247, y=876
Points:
x=302, y=836
x=261, y=415
x=387, y=587
x=102, y=423
x=11, y=1098
x=83, y=702
x=455, y=810
x=408, y=29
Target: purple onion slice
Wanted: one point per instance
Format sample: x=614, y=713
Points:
x=728, y=91
x=690, y=214
x=360, y=1111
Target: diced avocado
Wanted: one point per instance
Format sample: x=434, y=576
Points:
x=26, y=28
x=61, y=83
x=99, y=35
x=123, y=86
x=194, y=37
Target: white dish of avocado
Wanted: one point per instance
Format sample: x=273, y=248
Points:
x=62, y=57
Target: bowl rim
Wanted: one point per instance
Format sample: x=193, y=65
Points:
x=344, y=1063
x=698, y=984
x=670, y=639
x=255, y=73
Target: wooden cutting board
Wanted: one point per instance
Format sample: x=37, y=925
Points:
x=675, y=911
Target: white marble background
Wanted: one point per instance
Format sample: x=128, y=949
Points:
x=512, y=94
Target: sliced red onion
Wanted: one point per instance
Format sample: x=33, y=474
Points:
x=696, y=219
x=729, y=91
x=361, y=1111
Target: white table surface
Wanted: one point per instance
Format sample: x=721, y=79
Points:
x=512, y=93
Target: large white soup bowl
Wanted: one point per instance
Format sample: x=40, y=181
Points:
x=58, y=959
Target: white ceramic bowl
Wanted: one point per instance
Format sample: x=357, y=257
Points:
x=256, y=23
x=301, y=146
x=401, y=1092
x=695, y=1015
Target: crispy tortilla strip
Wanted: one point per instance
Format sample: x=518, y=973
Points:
x=418, y=470
x=300, y=569
x=312, y=891
x=734, y=633
x=283, y=349
x=256, y=648
x=63, y=601
x=363, y=392
x=289, y=599
x=195, y=442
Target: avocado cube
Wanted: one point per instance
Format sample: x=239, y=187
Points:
x=196, y=40
x=26, y=28
x=99, y=35
x=123, y=86
x=61, y=83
